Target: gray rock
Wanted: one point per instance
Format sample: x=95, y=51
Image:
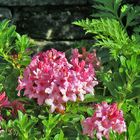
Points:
x=51, y=23
x=41, y=2
x=5, y=13
x=43, y=45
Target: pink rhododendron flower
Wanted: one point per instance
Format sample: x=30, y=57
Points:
x=4, y=100
x=106, y=117
x=90, y=58
x=51, y=79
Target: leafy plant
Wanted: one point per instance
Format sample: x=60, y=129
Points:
x=126, y=14
x=115, y=30
x=14, y=56
x=124, y=72
x=24, y=126
x=49, y=125
x=119, y=76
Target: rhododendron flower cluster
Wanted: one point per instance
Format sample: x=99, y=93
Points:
x=90, y=58
x=51, y=79
x=106, y=118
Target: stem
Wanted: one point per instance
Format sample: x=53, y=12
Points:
x=119, y=19
x=120, y=104
x=47, y=136
x=5, y=57
x=104, y=91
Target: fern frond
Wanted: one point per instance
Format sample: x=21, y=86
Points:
x=135, y=44
x=108, y=33
x=137, y=29
x=104, y=15
x=107, y=9
x=132, y=16
x=116, y=9
x=107, y=5
x=104, y=28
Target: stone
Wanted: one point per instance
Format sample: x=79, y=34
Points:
x=5, y=13
x=42, y=45
x=51, y=23
x=41, y=2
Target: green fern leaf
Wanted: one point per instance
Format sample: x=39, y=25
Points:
x=132, y=16
x=126, y=14
x=108, y=33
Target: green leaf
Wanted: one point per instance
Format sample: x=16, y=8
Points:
x=24, y=126
x=25, y=60
x=22, y=43
x=108, y=33
x=59, y=136
x=131, y=129
x=1, y=87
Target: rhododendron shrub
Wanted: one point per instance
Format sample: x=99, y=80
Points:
x=106, y=117
x=66, y=83
x=52, y=80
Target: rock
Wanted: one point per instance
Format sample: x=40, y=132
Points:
x=51, y=23
x=5, y=13
x=43, y=45
x=41, y=2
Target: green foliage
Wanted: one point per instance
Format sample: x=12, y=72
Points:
x=7, y=37
x=22, y=47
x=21, y=128
x=107, y=8
x=122, y=75
x=134, y=125
x=8, y=86
x=59, y=136
x=109, y=34
x=6, y=126
x=117, y=9
x=119, y=73
x=116, y=136
x=14, y=56
x=24, y=126
x=12, y=45
x=49, y=125
x=119, y=77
